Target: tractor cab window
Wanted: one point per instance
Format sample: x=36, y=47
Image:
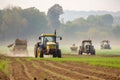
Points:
x=87, y=43
x=105, y=43
x=49, y=39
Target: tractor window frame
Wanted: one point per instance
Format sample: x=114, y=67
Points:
x=49, y=39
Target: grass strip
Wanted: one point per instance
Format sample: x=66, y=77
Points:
x=4, y=66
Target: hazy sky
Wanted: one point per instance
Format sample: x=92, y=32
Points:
x=85, y=5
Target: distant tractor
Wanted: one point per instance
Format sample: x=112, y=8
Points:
x=19, y=46
x=87, y=47
x=73, y=48
x=105, y=44
x=48, y=46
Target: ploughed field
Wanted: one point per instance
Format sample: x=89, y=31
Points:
x=70, y=67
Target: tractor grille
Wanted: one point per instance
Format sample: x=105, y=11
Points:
x=51, y=47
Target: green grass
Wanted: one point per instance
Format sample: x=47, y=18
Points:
x=4, y=66
x=113, y=62
x=114, y=51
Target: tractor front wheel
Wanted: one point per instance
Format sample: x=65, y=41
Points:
x=80, y=52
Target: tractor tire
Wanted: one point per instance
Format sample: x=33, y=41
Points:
x=93, y=53
x=35, y=51
x=59, y=55
x=80, y=52
x=54, y=55
x=41, y=54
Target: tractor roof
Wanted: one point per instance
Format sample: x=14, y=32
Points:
x=86, y=41
x=105, y=41
x=47, y=35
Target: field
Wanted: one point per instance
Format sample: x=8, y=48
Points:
x=105, y=65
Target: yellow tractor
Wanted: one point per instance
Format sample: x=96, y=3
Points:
x=47, y=46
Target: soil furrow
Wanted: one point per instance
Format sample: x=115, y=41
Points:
x=51, y=71
x=25, y=69
x=42, y=73
x=102, y=72
x=91, y=72
x=61, y=66
x=67, y=72
x=17, y=71
x=106, y=70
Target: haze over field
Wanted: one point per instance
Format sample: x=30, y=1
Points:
x=90, y=19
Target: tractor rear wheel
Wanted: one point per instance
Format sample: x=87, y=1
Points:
x=35, y=51
x=54, y=55
x=80, y=52
x=93, y=53
x=59, y=54
x=41, y=54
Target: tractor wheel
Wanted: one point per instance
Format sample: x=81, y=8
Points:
x=41, y=54
x=59, y=53
x=54, y=55
x=93, y=53
x=35, y=51
x=80, y=52
x=38, y=52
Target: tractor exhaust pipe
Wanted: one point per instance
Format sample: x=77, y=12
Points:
x=55, y=32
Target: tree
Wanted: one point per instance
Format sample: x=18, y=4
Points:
x=53, y=16
x=107, y=20
x=12, y=22
x=116, y=31
x=37, y=21
x=0, y=17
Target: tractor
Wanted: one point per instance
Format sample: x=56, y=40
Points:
x=73, y=48
x=105, y=44
x=87, y=48
x=47, y=46
x=19, y=46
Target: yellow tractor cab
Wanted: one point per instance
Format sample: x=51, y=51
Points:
x=47, y=46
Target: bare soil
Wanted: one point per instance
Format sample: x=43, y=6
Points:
x=22, y=69
x=3, y=76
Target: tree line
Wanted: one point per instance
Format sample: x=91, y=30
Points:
x=29, y=23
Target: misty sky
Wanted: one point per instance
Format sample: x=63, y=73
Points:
x=84, y=5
